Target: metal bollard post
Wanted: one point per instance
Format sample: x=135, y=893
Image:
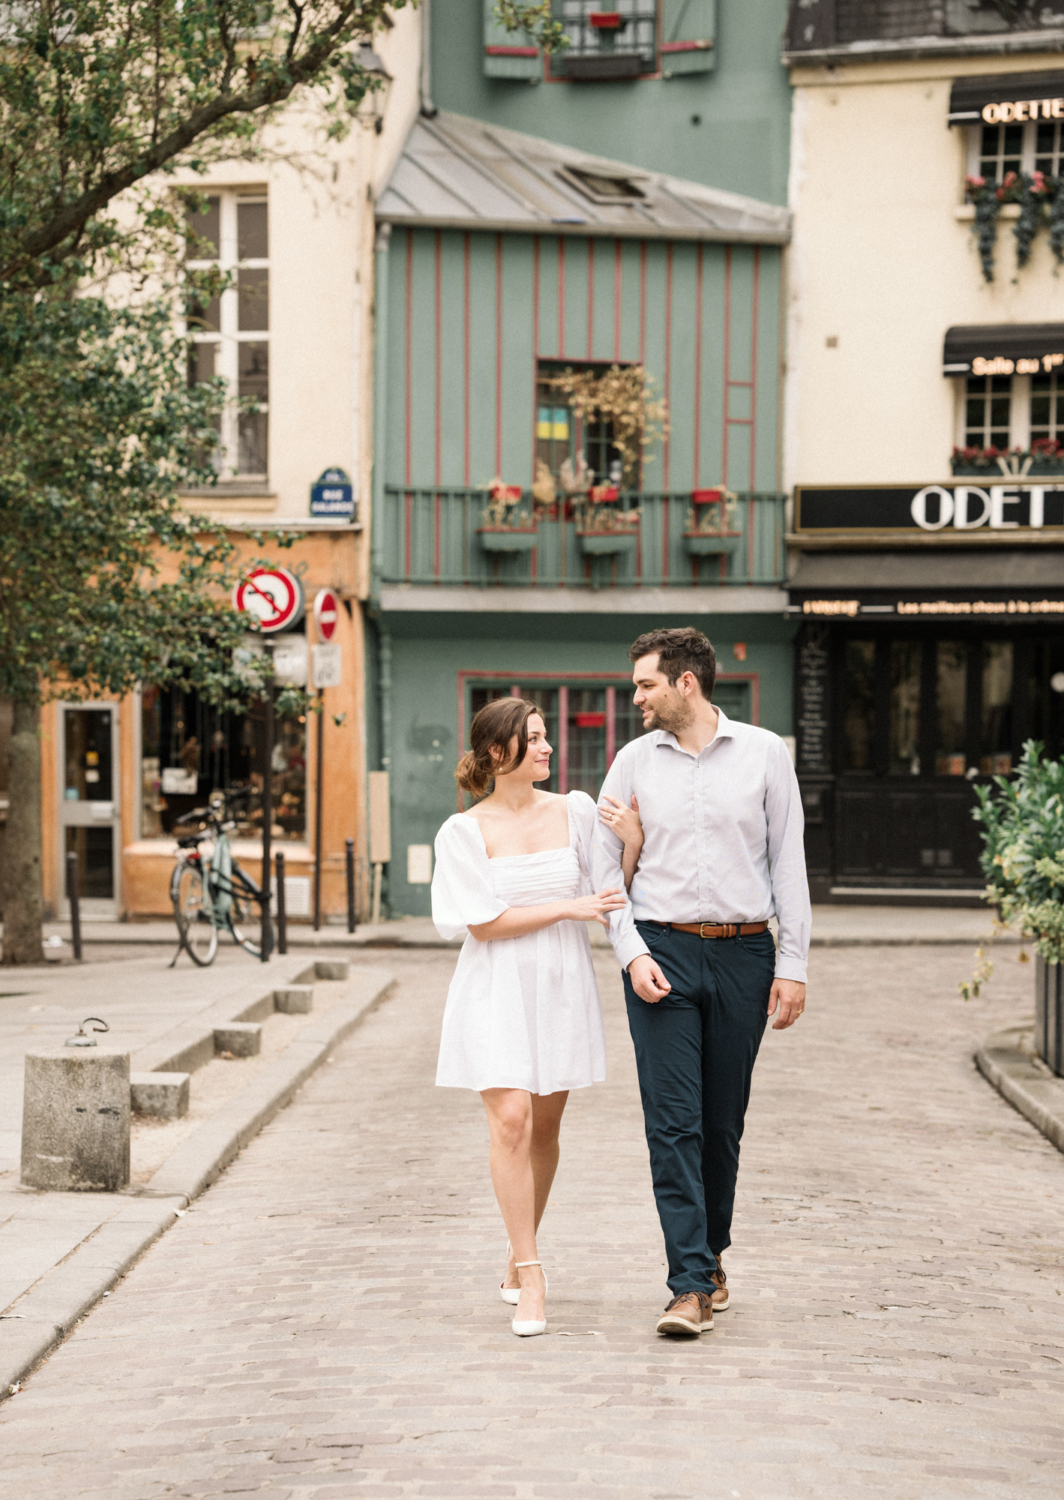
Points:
x=75, y=908
x=282, y=915
x=349, y=847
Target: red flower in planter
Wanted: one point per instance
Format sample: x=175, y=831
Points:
x=605, y=20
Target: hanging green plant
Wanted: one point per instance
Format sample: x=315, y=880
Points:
x=987, y=198
x=1055, y=216
x=1034, y=192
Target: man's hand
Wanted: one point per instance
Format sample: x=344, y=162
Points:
x=789, y=996
x=647, y=979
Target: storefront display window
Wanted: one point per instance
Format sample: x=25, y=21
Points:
x=859, y=696
x=951, y=700
x=996, y=756
x=904, y=708
x=190, y=749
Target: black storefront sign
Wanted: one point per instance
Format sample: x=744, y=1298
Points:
x=960, y=507
x=1007, y=98
x=1003, y=349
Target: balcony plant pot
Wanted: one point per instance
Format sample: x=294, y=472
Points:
x=712, y=543
x=607, y=543
x=1049, y=1014
x=508, y=538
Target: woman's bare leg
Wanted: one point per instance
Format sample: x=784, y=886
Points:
x=510, y=1117
x=547, y=1110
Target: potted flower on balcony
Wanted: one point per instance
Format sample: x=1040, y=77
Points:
x=708, y=530
x=1023, y=859
x=504, y=530
x=1044, y=457
x=603, y=529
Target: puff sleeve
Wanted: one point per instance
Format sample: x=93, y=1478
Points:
x=461, y=881
x=583, y=815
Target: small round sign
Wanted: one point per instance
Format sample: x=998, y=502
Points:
x=273, y=597
x=326, y=612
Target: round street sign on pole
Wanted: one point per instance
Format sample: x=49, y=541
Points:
x=326, y=611
x=273, y=597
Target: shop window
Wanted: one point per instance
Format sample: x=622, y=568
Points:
x=995, y=758
x=1047, y=408
x=904, y=735
x=1048, y=147
x=951, y=707
x=190, y=749
x=859, y=705
x=1034, y=145
x=987, y=411
x=562, y=436
x=231, y=332
x=1000, y=150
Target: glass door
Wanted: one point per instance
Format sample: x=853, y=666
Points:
x=88, y=803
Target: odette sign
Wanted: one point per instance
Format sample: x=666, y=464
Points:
x=1011, y=505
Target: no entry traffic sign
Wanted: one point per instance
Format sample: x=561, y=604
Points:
x=326, y=611
x=272, y=597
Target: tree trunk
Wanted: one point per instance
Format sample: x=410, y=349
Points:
x=21, y=873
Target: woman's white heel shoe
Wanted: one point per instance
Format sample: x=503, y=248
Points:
x=527, y=1328
x=512, y=1294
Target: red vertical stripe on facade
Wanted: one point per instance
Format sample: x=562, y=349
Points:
x=611, y=725
x=697, y=456
x=535, y=364
x=465, y=360
x=563, y=740
x=753, y=408
x=617, y=301
x=642, y=302
x=437, y=401
x=561, y=296
x=498, y=354
x=590, y=298
x=407, y=415
x=666, y=456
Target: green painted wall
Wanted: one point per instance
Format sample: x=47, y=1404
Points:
x=430, y=650
x=744, y=104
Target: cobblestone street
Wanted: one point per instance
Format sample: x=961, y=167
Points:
x=324, y=1321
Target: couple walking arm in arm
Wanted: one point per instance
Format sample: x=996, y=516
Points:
x=701, y=819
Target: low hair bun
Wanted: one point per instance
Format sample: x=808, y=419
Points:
x=495, y=727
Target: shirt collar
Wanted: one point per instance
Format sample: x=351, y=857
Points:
x=725, y=731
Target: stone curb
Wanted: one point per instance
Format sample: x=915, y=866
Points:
x=47, y=1313
x=1024, y=1080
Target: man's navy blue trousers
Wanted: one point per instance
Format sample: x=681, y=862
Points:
x=695, y=1052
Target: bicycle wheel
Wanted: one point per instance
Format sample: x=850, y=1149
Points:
x=244, y=920
x=192, y=914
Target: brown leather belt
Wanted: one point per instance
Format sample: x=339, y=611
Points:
x=716, y=929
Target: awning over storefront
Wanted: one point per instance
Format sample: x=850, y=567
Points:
x=1005, y=97
x=1033, y=570
x=1003, y=349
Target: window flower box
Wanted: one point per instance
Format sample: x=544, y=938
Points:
x=712, y=543
x=508, y=538
x=614, y=542
x=1042, y=461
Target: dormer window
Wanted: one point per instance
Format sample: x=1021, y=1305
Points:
x=601, y=188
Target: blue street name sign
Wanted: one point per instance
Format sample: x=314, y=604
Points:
x=333, y=495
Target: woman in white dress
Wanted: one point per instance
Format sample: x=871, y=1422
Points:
x=523, y=1023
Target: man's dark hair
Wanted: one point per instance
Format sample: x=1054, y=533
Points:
x=679, y=650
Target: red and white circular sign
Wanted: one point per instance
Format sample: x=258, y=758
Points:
x=326, y=611
x=273, y=597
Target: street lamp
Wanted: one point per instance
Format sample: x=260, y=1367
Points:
x=376, y=100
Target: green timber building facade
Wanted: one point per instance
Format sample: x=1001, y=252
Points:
x=508, y=255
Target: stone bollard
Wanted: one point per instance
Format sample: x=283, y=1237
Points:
x=75, y=1121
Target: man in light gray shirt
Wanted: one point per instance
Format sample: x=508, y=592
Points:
x=722, y=853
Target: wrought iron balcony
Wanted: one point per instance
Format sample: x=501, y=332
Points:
x=441, y=536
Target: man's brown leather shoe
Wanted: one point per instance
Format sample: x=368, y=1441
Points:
x=719, y=1294
x=688, y=1314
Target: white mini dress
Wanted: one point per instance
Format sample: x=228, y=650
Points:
x=522, y=1013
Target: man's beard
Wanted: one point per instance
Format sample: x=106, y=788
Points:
x=672, y=717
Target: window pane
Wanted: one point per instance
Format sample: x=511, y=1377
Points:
x=253, y=300
x=254, y=369
x=951, y=698
x=202, y=362
x=858, y=705
x=587, y=739
x=205, y=316
x=252, y=242
x=204, y=231
x=253, y=437
x=996, y=750
x=904, y=708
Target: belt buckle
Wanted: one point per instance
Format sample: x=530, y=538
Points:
x=702, y=929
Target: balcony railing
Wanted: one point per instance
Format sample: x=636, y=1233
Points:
x=431, y=536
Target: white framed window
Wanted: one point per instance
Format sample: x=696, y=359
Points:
x=987, y=412
x=1047, y=407
x=232, y=333
x=1034, y=145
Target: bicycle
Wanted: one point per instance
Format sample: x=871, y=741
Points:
x=210, y=895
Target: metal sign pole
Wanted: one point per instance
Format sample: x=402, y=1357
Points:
x=320, y=758
x=266, y=941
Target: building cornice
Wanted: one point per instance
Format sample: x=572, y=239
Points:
x=909, y=49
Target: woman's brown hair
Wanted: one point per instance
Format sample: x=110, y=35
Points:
x=493, y=727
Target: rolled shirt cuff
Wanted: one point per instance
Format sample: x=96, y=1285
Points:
x=790, y=968
x=629, y=947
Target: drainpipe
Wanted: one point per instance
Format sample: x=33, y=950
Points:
x=428, y=109
x=384, y=688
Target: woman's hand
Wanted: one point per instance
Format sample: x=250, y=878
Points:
x=597, y=908
x=624, y=821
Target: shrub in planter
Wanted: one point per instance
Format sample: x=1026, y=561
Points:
x=1022, y=821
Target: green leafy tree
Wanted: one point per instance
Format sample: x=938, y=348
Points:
x=1023, y=849
x=104, y=580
